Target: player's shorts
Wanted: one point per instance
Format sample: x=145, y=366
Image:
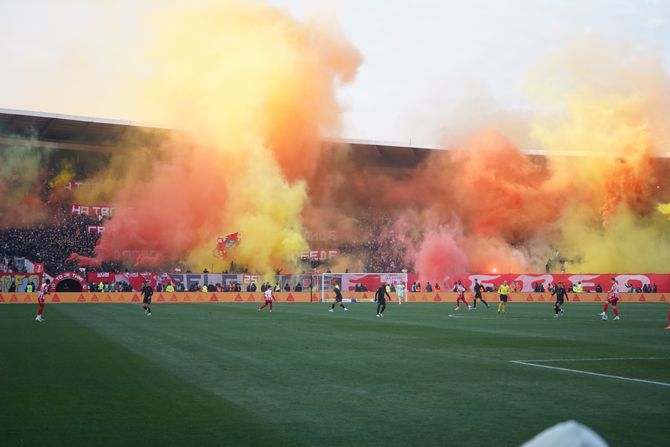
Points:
x=613, y=300
x=461, y=296
x=381, y=300
x=338, y=299
x=503, y=298
x=268, y=301
x=478, y=295
x=560, y=302
x=146, y=300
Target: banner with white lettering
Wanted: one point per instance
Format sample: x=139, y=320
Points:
x=91, y=210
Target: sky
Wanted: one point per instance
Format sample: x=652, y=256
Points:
x=426, y=63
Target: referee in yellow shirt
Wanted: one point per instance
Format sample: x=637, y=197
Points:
x=503, y=292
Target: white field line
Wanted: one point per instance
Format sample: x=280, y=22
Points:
x=594, y=359
x=589, y=373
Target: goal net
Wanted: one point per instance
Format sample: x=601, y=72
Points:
x=367, y=283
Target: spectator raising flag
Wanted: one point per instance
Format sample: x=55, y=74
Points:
x=226, y=243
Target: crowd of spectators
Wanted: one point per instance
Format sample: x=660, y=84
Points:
x=378, y=249
x=50, y=243
x=119, y=286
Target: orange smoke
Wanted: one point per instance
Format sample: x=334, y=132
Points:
x=500, y=192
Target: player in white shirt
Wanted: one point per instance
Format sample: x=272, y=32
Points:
x=44, y=291
x=460, y=290
x=400, y=291
x=613, y=299
x=269, y=297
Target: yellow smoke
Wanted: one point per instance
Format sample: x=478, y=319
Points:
x=64, y=175
x=664, y=208
x=603, y=125
x=20, y=203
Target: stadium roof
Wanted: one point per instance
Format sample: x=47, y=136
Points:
x=58, y=131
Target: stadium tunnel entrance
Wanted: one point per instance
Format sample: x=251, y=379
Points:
x=69, y=285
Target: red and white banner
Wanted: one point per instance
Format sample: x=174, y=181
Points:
x=69, y=276
x=526, y=282
x=522, y=282
x=91, y=210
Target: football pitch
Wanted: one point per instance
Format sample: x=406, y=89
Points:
x=224, y=374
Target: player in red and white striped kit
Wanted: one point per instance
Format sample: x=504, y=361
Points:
x=460, y=290
x=613, y=299
x=44, y=291
x=269, y=297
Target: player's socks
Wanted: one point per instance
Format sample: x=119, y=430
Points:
x=487, y=304
x=605, y=308
x=616, y=312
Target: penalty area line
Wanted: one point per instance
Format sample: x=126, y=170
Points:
x=589, y=373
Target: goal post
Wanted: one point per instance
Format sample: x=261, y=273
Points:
x=368, y=283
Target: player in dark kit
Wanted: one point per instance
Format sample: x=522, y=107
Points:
x=478, y=295
x=147, y=291
x=561, y=296
x=380, y=297
x=338, y=299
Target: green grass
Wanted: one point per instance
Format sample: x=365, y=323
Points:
x=222, y=374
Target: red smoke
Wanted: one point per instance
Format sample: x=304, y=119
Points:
x=439, y=254
x=168, y=210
